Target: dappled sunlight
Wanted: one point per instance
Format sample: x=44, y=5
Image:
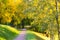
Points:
x=41, y=17
x=13, y=30
x=10, y=28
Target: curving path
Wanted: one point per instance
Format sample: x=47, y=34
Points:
x=21, y=35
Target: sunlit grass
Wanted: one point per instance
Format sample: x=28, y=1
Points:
x=2, y=38
x=40, y=35
x=7, y=32
x=31, y=36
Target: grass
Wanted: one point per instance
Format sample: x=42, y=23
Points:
x=31, y=36
x=7, y=32
x=40, y=35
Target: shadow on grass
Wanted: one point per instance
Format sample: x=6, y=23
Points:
x=31, y=36
x=38, y=38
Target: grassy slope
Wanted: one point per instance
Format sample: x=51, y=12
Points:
x=41, y=35
x=44, y=36
x=7, y=32
x=31, y=36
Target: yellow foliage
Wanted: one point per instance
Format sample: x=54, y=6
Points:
x=50, y=12
x=11, y=2
x=35, y=2
x=42, y=15
x=59, y=4
x=22, y=15
x=14, y=2
x=52, y=2
x=46, y=8
x=19, y=1
x=30, y=15
x=7, y=14
x=6, y=17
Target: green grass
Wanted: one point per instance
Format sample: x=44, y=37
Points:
x=31, y=36
x=7, y=32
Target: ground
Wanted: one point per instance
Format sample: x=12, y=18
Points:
x=10, y=33
x=30, y=35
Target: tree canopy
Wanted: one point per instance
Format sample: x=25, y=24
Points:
x=39, y=14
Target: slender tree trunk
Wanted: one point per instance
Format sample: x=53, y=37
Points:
x=57, y=19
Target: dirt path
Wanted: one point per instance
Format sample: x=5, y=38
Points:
x=21, y=35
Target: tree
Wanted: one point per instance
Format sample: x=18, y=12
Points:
x=57, y=20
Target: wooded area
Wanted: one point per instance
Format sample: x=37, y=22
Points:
x=42, y=16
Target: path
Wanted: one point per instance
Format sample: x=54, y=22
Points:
x=21, y=35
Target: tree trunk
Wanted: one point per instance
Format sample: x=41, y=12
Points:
x=57, y=21
x=58, y=27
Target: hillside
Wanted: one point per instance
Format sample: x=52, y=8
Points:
x=7, y=32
